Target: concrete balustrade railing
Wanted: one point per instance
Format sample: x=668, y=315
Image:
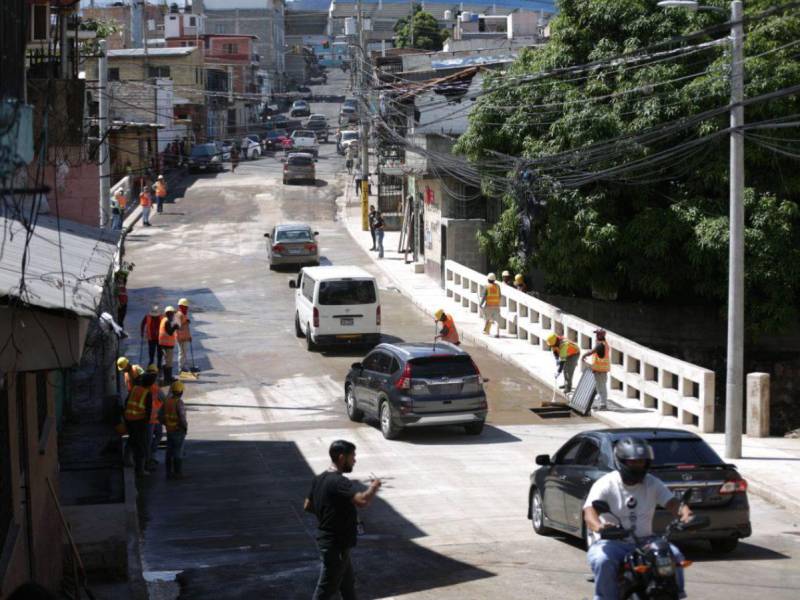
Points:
x=638, y=374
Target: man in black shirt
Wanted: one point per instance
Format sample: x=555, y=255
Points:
x=333, y=500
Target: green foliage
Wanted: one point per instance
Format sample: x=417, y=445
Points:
x=422, y=27
x=660, y=233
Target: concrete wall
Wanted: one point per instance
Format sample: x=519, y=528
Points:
x=462, y=242
x=43, y=562
x=74, y=187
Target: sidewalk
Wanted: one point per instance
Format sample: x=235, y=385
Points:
x=770, y=465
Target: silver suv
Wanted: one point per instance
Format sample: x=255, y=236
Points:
x=299, y=165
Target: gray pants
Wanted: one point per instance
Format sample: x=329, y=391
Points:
x=183, y=356
x=569, y=371
x=601, y=388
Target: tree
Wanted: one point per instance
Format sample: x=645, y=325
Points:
x=657, y=233
x=422, y=27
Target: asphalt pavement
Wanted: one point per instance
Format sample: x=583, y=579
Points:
x=449, y=521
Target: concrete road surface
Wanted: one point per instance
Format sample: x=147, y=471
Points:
x=450, y=520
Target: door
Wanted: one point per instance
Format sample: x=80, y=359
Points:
x=579, y=479
x=304, y=302
x=367, y=381
x=348, y=307
x=555, y=481
x=379, y=379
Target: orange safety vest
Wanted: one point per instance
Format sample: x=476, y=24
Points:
x=452, y=334
x=171, y=419
x=183, y=329
x=602, y=365
x=137, y=403
x=144, y=200
x=139, y=371
x=122, y=201
x=161, y=189
x=164, y=338
x=492, y=295
x=157, y=402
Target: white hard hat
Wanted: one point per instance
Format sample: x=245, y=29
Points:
x=491, y=277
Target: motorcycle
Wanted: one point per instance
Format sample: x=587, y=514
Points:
x=650, y=571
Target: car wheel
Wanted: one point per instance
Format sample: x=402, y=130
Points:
x=353, y=413
x=388, y=428
x=297, y=330
x=724, y=545
x=474, y=428
x=310, y=345
x=284, y=181
x=537, y=514
x=271, y=267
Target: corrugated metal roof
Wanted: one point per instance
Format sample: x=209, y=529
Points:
x=87, y=254
x=183, y=51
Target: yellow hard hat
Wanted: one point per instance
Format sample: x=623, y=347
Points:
x=518, y=278
x=506, y=274
x=439, y=314
x=176, y=387
x=122, y=363
x=183, y=302
x=152, y=369
x=169, y=309
x=552, y=339
x=491, y=277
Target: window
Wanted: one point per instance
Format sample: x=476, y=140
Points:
x=230, y=48
x=442, y=366
x=395, y=366
x=158, y=72
x=41, y=15
x=192, y=21
x=338, y=293
x=308, y=288
x=293, y=235
x=568, y=454
x=219, y=28
x=41, y=400
x=113, y=74
x=683, y=451
x=589, y=454
x=378, y=362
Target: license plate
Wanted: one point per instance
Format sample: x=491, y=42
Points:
x=295, y=251
x=695, y=496
x=348, y=322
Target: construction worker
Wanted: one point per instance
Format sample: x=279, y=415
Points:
x=149, y=328
x=173, y=416
x=160, y=188
x=601, y=365
x=154, y=428
x=184, y=333
x=167, y=336
x=566, y=353
x=448, y=332
x=490, y=302
x=505, y=277
x=121, y=291
x=146, y=202
x=130, y=371
x=118, y=203
x=519, y=283
x=137, y=411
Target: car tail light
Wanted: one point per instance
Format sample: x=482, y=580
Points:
x=311, y=247
x=279, y=248
x=404, y=381
x=733, y=486
x=484, y=404
x=316, y=317
x=378, y=316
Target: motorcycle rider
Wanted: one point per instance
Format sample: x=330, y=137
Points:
x=632, y=495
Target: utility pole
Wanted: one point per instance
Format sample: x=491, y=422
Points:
x=411, y=22
x=735, y=358
x=363, y=82
x=102, y=118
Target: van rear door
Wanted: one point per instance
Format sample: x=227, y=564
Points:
x=348, y=307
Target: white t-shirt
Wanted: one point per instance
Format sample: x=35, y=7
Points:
x=635, y=505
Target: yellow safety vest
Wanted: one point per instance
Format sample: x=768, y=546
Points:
x=567, y=348
x=602, y=365
x=171, y=419
x=137, y=403
x=492, y=295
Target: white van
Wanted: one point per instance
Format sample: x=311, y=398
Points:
x=336, y=305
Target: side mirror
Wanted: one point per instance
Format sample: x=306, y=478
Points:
x=543, y=460
x=292, y=284
x=266, y=235
x=601, y=506
x=357, y=366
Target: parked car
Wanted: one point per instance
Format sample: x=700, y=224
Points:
x=250, y=148
x=304, y=92
x=276, y=139
x=304, y=140
x=292, y=244
x=204, y=157
x=300, y=108
x=317, y=78
x=319, y=125
x=348, y=114
x=345, y=138
x=227, y=146
x=299, y=166
x=417, y=385
x=683, y=461
x=336, y=305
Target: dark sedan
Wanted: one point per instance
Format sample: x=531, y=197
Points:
x=683, y=461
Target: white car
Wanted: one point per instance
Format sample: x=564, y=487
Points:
x=305, y=140
x=250, y=149
x=336, y=305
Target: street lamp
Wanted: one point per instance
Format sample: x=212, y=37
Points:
x=735, y=354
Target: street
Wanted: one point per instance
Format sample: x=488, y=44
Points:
x=450, y=520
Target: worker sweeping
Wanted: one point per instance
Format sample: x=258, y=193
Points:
x=490, y=302
x=566, y=353
x=601, y=365
x=154, y=428
x=448, y=332
x=130, y=372
x=173, y=416
x=148, y=329
x=184, y=334
x=167, y=337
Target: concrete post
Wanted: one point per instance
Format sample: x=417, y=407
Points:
x=758, y=404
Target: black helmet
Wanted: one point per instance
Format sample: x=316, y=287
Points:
x=632, y=448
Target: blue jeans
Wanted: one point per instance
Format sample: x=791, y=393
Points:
x=116, y=221
x=146, y=215
x=379, y=237
x=156, y=431
x=605, y=558
x=175, y=441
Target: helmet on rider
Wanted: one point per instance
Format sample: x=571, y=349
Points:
x=633, y=457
